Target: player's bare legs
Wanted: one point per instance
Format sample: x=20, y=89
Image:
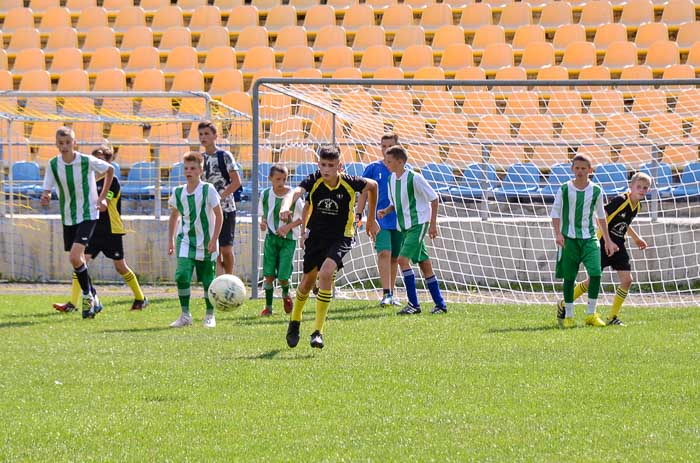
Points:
x=224, y=264
x=305, y=286
x=268, y=287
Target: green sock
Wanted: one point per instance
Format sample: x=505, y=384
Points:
x=593, y=287
x=285, y=289
x=184, y=295
x=269, y=289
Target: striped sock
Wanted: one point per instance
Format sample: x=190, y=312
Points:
x=75, y=291
x=620, y=295
x=133, y=282
x=184, y=295
x=269, y=289
x=323, y=300
x=409, y=281
x=580, y=289
x=299, y=302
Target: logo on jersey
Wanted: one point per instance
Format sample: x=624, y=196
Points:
x=328, y=206
x=619, y=229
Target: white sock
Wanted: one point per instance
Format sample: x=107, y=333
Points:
x=591, y=305
x=569, y=307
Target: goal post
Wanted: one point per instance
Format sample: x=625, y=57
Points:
x=496, y=153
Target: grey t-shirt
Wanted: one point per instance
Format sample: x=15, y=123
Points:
x=212, y=174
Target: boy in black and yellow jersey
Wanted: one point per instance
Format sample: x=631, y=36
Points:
x=108, y=239
x=331, y=197
x=620, y=212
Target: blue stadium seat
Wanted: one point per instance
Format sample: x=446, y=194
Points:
x=439, y=176
x=176, y=177
x=612, y=178
x=662, y=175
x=561, y=173
x=302, y=171
x=117, y=170
x=141, y=181
x=690, y=181
x=522, y=181
x=477, y=180
x=26, y=179
x=354, y=168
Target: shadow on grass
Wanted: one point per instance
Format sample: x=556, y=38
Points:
x=114, y=302
x=16, y=324
x=272, y=355
x=138, y=330
x=54, y=313
x=527, y=329
x=309, y=315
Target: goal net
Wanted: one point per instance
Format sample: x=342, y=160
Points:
x=496, y=153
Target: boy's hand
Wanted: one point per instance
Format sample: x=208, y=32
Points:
x=285, y=216
x=559, y=238
x=610, y=248
x=283, y=230
x=641, y=244
x=45, y=198
x=102, y=205
x=303, y=239
x=372, y=229
x=263, y=226
x=381, y=213
x=211, y=247
x=433, y=231
x=171, y=247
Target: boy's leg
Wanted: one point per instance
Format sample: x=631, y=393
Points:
x=183, y=279
x=431, y=281
x=382, y=245
x=412, y=250
x=592, y=263
x=581, y=288
x=270, y=262
x=307, y=282
x=396, y=242
x=325, y=292
x=206, y=272
x=269, y=287
x=625, y=277
x=567, y=269
x=226, y=259
x=130, y=279
x=284, y=270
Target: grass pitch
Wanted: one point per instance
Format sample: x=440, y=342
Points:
x=483, y=383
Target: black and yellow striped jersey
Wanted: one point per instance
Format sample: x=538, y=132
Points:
x=620, y=214
x=110, y=221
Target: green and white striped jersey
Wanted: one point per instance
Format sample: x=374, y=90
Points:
x=578, y=209
x=197, y=220
x=411, y=196
x=269, y=209
x=75, y=182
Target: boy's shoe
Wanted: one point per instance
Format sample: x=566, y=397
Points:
x=293, y=333
x=266, y=312
x=615, y=321
x=209, y=321
x=67, y=307
x=594, y=320
x=97, y=306
x=317, y=340
x=386, y=300
x=184, y=320
x=409, y=310
x=139, y=305
x=288, y=304
x=561, y=313
x=568, y=322
x=437, y=310
x=88, y=307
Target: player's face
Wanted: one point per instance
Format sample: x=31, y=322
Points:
x=65, y=144
x=581, y=169
x=193, y=171
x=329, y=168
x=278, y=180
x=639, y=189
x=386, y=144
x=394, y=165
x=206, y=137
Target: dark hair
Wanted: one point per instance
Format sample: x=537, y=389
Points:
x=582, y=157
x=329, y=152
x=65, y=132
x=278, y=169
x=193, y=156
x=398, y=152
x=391, y=136
x=207, y=125
x=104, y=150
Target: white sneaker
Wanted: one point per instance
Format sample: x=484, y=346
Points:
x=184, y=320
x=209, y=321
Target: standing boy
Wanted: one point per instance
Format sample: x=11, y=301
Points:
x=221, y=170
x=73, y=174
x=331, y=229
x=281, y=237
x=108, y=239
x=620, y=211
x=416, y=206
x=575, y=205
x=197, y=202
x=388, y=243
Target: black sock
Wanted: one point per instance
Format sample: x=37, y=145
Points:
x=83, y=278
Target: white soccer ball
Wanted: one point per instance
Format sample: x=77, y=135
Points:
x=227, y=292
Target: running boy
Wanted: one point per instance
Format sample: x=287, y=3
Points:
x=108, y=239
x=281, y=238
x=416, y=206
x=620, y=211
x=73, y=174
x=331, y=229
x=575, y=205
x=197, y=202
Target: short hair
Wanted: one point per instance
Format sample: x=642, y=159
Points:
x=398, y=152
x=65, y=132
x=193, y=156
x=640, y=177
x=582, y=157
x=329, y=152
x=391, y=136
x=207, y=125
x=278, y=169
x=105, y=151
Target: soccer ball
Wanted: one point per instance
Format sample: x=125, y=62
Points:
x=227, y=292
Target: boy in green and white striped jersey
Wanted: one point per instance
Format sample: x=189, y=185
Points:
x=577, y=205
x=197, y=245
x=281, y=237
x=416, y=206
x=73, y=174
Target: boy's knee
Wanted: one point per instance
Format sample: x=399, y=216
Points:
x=403, y=262
x=182, y=279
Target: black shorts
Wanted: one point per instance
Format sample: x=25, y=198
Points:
x=618, y=261
x=79, y=233
x=112, y=246
x=316, y=250
x=227, y=229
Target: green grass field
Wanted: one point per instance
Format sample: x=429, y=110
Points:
x=484, y=383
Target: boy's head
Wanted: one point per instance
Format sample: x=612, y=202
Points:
x=389, y=139
x=640, y=183
x=65, y=140
x=329, y=162
x=104, y=152
x=207, y=133
x=395, y=158
x=581, y=166
x=192, y=166
x=278, y=175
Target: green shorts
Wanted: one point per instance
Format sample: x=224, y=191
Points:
x=575, y=253
x=278, y=257
x=413, y=245
x=389, y=240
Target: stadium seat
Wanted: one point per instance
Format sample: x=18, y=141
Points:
x=98, y=37
x=515, y=15
x=23, y=38
x=258, y=58
x=375, y=57
x=560, y=174
x=648, y=102
x=578, y=128
x=113, y=80
x=335, y=58
x=650, y=33
x=596, y=13
x=622, y=128
x=568, y=34
x=36, y=80
x=66, y=59
x=226, y=80
x=347, y=73
x=41, y=6
x=527, y=34
x=475, y=16
x=238, y=100
x=319, y=16
x=436, y=15
x=407, y=36
x=219, y=58
x=29, y=59
x=479, y=102
x=94, y=16
x=152, y=6
x=297, y=57
x=506, y=154
x=496, y=56
x=280, y=16
x=679, y=71
x=665, y=127
x=105, y=58
x=457, y=56
x=16, y=19
x=564, y=102
x=25, y=179
x=291, y=36
x=166, y=17
x=662, y=178
x=368, y=36
x=190, y=6
x=555, y=72
x=188, y=80
x=116, y=5
x=605, y=102
x=694, y=55
x=173, y=38
x=356, y=16
x=637, y=12
x=608, y=34
x=690, y=181
x=179, y=58
x=537, y=55
x=62, y=37
x=478, y=179
x=141, y=58
x=488, y=35
x=139, y=36
x=204, y=17
x=274, y=106
x=492, y=127
x=141, y=181
x=396, y=103
x=688, y=104
x=213, y=37
x=411, y=129
x=440, y=176
x=679, y=155
x=661, y=54
x=447, y=35
x=521, y=182
x=240, y=17
x=522, y=104
x=620, y=55
x=250, y=37
x=341, y=5
x=329, y=36
x=414, y=58
x=677, y=12
x=579, y=55
x=54, y=18
x=128, y=17
x=555, y=14
x=396, y=16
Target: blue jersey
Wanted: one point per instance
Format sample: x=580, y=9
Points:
x=378, y=172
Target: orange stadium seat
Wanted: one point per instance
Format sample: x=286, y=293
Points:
x=436, y=15
x=341, y=5
x=437, y=104
x=275, y=106
x=226, y=80
x=190, y=80
x=368, y=36
x=23, y=38
x=204, y=17
x=528, y=34
x=488, y=35
x=567, y=34
x=250, y=37
x=61, y=37
x=677, y=12
x=648, y=102
x=578, y=128
x=18, y=18
x=54, y=18
x=129, y=17
x=286, y=130
x=213, y=37
x=414, y=58
x=265, y=5
x=180, y=58
x=605, y=102
x=136, y=37
x=75, y=80
x=396, y=16
x=665, y=127
x=152, y=5
x=94, y=16
x=515, y=15
x=149, y=80
x=297, y=57
x=522, y=103
x=358, y=15
x=113, y=80
x=291, y=36
x=468, y=73
x=496, y=56
x=411, y=128
x=555, y=72
x=620, y=55
x=146, y=57
x=594, y=73
x=688, y=104
x=98, y=37
x=650, y=33
x=105, y=58
x=407, y=36
x=190, y=6
x=280, y=16
x=564, y=102
x=396, y=102
x=329, y=36
x=389, y=73
x=447, y=35
x=307, y=73
x=80, y=5
x=259, y=74
x=680, y=155
x=622, y=127
x=319, y=16
x=36, y=80
x=347, y=73
x=356, y=102
x=240, y=17
x=29, y=59
x=637, y=12
x=579, y=55
x=474, y=16
x=608, y=34
x=258, y=58
x=555, y=14
x=66, y=59
x=679, y=71
x=375, y=57
x=640, y=71
x=661, y=54
x=175, y=37
x=457, y=56
x=694, y=55
x=41, y=6
x=596, y=13
x=238, y=100
x=219, y=58
x=538, y=55
x=479, y=103
x=3, y=60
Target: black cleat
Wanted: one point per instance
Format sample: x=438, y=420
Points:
x=614, y=321
x=139, y=305
x=409, y=310
x=561, y=313
x=293, y=333
x=317, y=340
x=438, y=310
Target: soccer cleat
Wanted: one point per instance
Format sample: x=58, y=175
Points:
x=139, y=305
x=88, y=307
x=97, y=306
x=288, y=305
x=293, y=333
x=615, y=321
x=266, y=312
x=185, y=319
x=594, y=319
x=317, y=340
x=209, y=321
x=67, y=307
x=409, y=310
x=387, y=300
x=395, y=301
x=561, y=313
x=437, y=310
x=568, y=322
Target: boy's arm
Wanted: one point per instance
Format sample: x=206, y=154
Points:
x=372, y=226
x=287, y=202
x=218, y=222
x=48, y=184
x=172, y=224
x=102, y=198
x=610, y=247
x=556, y=219
x=234, y=185
x=638, y=240
x=381, y=213
x=432, y=229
